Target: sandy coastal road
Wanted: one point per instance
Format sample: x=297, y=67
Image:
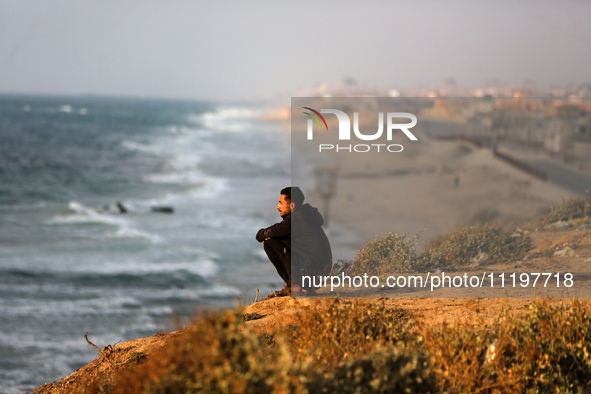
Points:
x=558, y=173
x=563, y=176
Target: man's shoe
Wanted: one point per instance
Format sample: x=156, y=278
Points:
x=311, y=292
x=281, y=293
x=304, y=292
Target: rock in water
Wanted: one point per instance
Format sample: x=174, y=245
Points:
x=163, y=209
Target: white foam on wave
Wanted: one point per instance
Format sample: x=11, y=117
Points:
x=68, y=307
x=86, y=215
x=205, y=187
x=219, y=290
x=184, y=130
x=184, y=162
x=127, y=232
x=202, y=265
x=26, y=206
x=83, y=214
x=67, y=108
x=179, y=177
x=144, y=148
x=233, y=112
x=181, y=166
x=232, y=119
x=204, y=268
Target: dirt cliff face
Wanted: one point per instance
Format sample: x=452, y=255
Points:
x=111, y=359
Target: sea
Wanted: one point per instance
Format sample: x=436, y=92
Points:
x=123, y=218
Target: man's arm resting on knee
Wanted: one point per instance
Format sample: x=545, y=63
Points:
x=277, y=230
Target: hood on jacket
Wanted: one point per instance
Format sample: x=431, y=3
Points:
x=309, y=214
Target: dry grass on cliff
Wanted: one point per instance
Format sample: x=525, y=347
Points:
x=352, y=347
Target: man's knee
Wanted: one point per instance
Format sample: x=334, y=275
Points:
x=276, y=245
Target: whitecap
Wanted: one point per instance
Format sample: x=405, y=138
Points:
x=179, y=178
x=84, y=214
x=160, y=311
x=204, y=268
x=232, y=119
x=144, y=148
x=184, y=162
x=67, y=108
x=87, y=215
x=128, y=232
x=232, y=112
x=219, y=291
x=213, y=187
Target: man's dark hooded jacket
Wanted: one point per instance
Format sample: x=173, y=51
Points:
x=302, y=232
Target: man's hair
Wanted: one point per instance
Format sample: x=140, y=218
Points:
x=293, y=194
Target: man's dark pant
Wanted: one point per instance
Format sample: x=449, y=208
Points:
x=279, y=252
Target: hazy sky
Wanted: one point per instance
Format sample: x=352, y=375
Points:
x=256, y=49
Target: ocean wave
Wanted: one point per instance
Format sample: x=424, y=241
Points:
x=182, y=169
x=127, y=232
x=69, y=307
x=202, y=267
x=184, y=130
x=260, y=254
x=25, y=206
x=67, y=108
x=181, y=165
x=232, y=119
x=203, y=187
x=84, y=215
x=161, y=275
x=219, y=290
x=144, y=148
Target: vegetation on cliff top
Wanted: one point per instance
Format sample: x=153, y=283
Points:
x=468, y=245
x=348, y=347
x=395, y=253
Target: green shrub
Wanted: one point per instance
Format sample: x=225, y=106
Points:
x=394, y=253
x=138, y=357
x=251, y=316
x=547, y=349
x=267, y=339
x=384, y=370
x=217, y=354
x=550, y=346
x=461, y=247
x=345, y=329
x=573, y=208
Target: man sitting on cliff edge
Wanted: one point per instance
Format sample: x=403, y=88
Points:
x=311, y=254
